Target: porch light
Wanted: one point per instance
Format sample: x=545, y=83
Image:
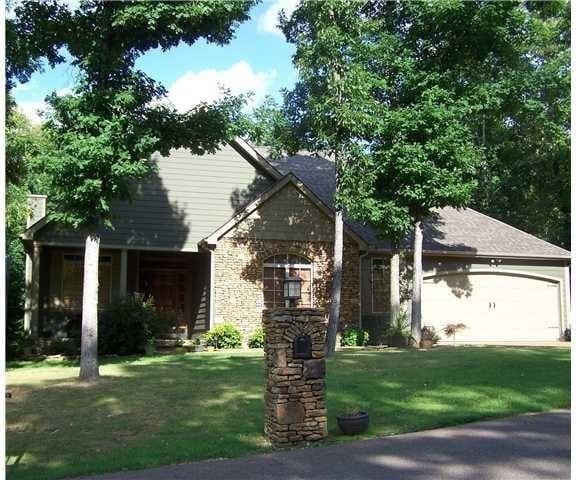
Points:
x=292, y=290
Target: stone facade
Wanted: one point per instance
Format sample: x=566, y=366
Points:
x=238, y=285
x=295, y=395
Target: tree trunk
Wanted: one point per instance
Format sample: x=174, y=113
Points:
x=417, y=285
x=89, y=347
x=335, y=293
x=394, y=286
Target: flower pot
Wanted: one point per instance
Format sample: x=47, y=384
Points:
x=353, y=424
x=426, y=343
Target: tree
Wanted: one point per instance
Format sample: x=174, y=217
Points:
x=525, y=180
x=105, y=131
x=326, y=108
x=23, y=144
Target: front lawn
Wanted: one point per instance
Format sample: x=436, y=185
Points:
x=168, y=409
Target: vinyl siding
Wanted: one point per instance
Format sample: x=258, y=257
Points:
x=436, y=265
x=187, y=199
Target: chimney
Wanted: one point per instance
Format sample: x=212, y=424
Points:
x=37, y=207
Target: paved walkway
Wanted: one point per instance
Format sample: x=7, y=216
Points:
x=526, y=447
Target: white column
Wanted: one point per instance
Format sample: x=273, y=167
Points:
x=123, y=272
x=32, y=290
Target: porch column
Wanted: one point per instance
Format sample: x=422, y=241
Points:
x=212, y=278
x=123, y=272
x=32, y=290
x=567, y=298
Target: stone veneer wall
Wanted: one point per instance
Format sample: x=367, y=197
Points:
x=238, y=270
x=295, y=394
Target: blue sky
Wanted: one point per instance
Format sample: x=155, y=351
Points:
x=258, y=59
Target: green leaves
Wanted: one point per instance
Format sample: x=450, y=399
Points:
x=103, y=134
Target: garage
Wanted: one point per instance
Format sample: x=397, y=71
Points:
x=496, y=307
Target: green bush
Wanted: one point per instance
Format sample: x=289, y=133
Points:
x=256, y=340
x=398, y=333
x=127, y=325
x=223, y=336
x=354, y=337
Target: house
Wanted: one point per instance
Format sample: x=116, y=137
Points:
x=212, y=238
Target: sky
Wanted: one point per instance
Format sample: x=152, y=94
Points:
x=257, y=60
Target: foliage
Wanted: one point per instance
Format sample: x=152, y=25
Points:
x=103, y=133
x=354, y=337
x=525, y=180
x=429, y=333
x=23, y=144
x=160, y=398
x=452, y=329
x=398, y=332
x=328, y=110
x=127, y=325
x=269, y=126
x=257, y=339
x=223, y=336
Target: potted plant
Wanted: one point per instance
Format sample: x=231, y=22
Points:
x=428, y=337
x=452, y=329
x=353, y=422
x=398, y=333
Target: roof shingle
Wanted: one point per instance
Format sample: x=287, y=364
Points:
x=450, y=231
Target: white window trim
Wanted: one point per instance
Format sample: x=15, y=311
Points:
x=372, y=284
x=287, y=267
x=100, y=258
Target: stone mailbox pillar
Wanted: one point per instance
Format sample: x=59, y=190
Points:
x=295, y=393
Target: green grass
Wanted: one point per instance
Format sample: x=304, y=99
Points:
x=167, y=409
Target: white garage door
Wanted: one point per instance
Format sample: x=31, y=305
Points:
x=494, y=308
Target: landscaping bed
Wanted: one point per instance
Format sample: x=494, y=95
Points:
x=151, y=411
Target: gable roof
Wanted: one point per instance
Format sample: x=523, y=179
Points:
x=451, y=231
x=288, y=179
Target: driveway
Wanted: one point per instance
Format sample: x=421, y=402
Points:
x=526, y=447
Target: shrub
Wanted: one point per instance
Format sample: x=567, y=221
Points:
x=452, y=329
x=127, y=325
x=429, y=333
x=69, y=347
x=15, y=338
x=223, y=336
x=354, y=337
x=256, y=340
x=398, y=333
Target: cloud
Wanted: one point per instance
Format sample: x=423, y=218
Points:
x=268, y=21
x=205, y=86
x=31, y=110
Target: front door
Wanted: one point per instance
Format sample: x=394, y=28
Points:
x=168, y=289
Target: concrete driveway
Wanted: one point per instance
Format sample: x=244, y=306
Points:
x=526, y=447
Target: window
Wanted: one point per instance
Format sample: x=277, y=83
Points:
x=379, y=285
x=72, y=281
x=276, y=269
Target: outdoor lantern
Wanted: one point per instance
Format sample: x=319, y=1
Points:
x=292, y=290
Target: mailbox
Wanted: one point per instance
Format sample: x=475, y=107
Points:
x=303, y=347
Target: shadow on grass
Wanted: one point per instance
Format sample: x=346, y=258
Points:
x=168, y=409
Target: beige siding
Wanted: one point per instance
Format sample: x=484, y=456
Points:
x=186, y=200
x=288, y=215
x=438, y=265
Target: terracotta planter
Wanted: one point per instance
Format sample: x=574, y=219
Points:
x=426, y=343
x=353, y=424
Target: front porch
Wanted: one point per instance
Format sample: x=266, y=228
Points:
x=179, y=283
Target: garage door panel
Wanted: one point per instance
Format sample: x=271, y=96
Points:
x=494, y=307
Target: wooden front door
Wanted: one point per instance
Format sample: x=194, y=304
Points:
x=168, y=289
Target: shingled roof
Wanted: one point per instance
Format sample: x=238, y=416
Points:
x=451, y=231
